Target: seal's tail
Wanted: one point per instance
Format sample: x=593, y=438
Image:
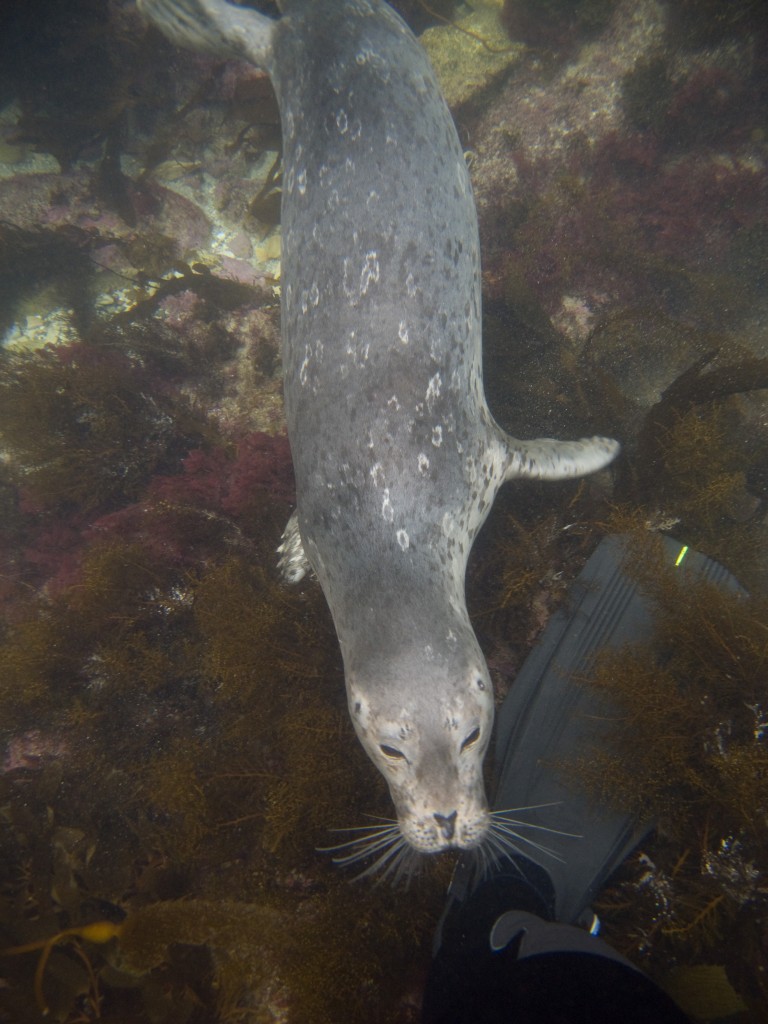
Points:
x=213, y=26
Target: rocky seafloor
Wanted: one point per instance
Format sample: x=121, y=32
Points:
x=175, y=742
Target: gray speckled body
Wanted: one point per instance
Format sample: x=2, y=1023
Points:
x=397, y=457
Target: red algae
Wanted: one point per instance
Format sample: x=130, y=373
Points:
x=229, y=483
x=630, y=173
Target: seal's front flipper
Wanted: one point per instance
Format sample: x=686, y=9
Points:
x=213, y=26
x=547, y=459
x=293, y=562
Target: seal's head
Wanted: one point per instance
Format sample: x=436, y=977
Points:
x=424, y=717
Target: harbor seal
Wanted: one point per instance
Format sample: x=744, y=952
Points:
x=396, y=454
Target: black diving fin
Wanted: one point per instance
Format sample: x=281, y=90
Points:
x=550, y=717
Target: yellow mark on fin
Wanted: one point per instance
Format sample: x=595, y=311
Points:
x=681, y=556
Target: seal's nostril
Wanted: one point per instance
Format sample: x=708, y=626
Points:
x=446, y=824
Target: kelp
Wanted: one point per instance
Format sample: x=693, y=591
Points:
x=199, y=714
x=249, y=948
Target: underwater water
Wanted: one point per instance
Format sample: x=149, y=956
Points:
x=174, y=735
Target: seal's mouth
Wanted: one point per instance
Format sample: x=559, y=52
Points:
x=446, y=824
x=386, y=851
x=458, y=830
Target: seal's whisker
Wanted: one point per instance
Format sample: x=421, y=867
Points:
x=397, y=860
x=369, y=832
x=502, y=848
x=361, y=847
x=503, y=825
x=393, y=858
x=390, y=857
x=501, y=812
x=384, y=840
x=370, y=829
x=493, y=856
x=499, y=846
x=487, y=856
x=498, y=853
x=357, y=855
x=408, y=865
x=505, y=838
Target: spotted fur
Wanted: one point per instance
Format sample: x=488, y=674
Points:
x=397, y=457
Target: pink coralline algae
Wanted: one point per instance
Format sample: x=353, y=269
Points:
x=31, y=750
x=241, y=271
x=182, y=516
x=28, y=200
x=54, y=554
x=215, y=480
x=178, y=311
x=633, y=216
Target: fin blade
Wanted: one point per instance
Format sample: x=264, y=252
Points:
x=550, y=719
x=213, y=26
x=548, y=459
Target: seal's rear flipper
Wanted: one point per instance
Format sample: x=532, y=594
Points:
x=213, y=26
x=548, y=459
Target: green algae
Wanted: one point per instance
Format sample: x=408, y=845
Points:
x=83, y=431
x=202, y=722
x=471, y=54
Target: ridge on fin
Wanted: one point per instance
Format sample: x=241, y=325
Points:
x=213, y=26
x=547, y=459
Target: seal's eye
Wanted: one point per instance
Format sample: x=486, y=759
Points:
x=392, y=752
x=473, y=737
